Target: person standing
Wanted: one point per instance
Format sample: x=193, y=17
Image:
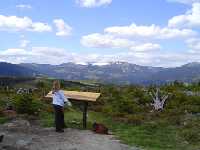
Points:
x=59, y=101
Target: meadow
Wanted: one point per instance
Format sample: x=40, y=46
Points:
x=125, y=109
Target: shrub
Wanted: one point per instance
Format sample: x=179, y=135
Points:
x=107, y=109
x=3, y=120
x=151, y=127
x=1, y=112
x=176, y=100
x=135, y=119
x=27, y=104
x=192, y=136
x=49, y=108
x=190, y=108
x=4, y=101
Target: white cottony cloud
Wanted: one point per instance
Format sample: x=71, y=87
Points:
x=40, y=27
x=63, y=29
x=135, y=38
x=143, y=44
x=93, y=3
x=190, y=19
x=146, y=47
x=152, y=32
x=24, y=43
x=24, y=6
x=194, y=45
x=43, y=55
x=50, y=51
x=14, y=51
x=15, y=23
x=97, y=40
x=185, y=1
x=48, y=55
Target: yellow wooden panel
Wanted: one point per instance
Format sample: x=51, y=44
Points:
x=81, y=96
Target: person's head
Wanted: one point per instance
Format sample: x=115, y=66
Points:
x=56, y=85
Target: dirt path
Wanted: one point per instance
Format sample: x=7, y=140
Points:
x=20, y=135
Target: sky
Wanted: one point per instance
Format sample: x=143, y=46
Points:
x=162, y=33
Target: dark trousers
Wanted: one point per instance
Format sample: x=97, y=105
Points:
x=59, y=117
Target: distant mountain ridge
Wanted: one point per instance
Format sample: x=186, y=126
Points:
x=115, y=72
x=120, y=72
x=9, y=70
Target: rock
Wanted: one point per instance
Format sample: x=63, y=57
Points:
x=22, y=143
x=38, y=138
x=8, y=147
x=17, y=125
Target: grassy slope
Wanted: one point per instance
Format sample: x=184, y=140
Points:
x=149, y=136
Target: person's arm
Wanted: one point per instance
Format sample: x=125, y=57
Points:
x=65, y=99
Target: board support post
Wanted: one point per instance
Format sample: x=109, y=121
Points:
x=85, y=106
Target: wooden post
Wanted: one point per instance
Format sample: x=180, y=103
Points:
x=85, y=105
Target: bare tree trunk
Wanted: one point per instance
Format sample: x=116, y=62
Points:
x=158, y=101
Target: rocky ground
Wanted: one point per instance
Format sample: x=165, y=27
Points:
x=21, y=135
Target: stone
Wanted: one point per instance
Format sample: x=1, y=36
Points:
x=38, y=138
x=17, y=125
x=22, y=143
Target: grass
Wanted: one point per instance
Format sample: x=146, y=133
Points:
x=149, y=136
x=3, y=120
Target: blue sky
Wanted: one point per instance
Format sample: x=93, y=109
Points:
x=145, y=32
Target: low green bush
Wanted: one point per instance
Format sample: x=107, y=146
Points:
x=1, y=112
x=27, y=104
x=3, y=120
x=191, y=136
x=135, y=119
x=190, y=130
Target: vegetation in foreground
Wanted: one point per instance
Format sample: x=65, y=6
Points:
x=125, y=110
x=152, y=135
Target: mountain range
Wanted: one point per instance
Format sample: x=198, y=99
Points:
x=10, y=70
x=115, y=72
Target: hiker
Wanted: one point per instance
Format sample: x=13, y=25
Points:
x=59, y=100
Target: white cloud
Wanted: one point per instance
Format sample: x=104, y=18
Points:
x=97, y=40
x=40, y=27
x=50, y=51
x=24, y=43
x=93, y=3
x=136, y=38
x=152, y=32
x=24, y=6
x=194, y=45
x=172, y=59
x=14, y=51
x=190, y=19
x=185, y=1
x=146, y=47
x=15, y=23
x=63, y=29
x=48, y=55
